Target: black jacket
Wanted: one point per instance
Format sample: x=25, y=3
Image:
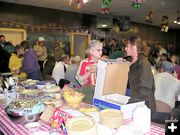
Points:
x=141, y=83
x=4, y=60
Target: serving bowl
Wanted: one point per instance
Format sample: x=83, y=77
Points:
x=24, y=114
x=73, y=98
x=24, y=119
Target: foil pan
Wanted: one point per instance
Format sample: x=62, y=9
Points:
x=23, y=119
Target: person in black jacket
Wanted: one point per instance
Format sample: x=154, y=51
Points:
x=48, y=68
x=141, y=79
x=4, y=60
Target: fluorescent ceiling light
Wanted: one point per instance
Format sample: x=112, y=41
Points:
x=104, y=25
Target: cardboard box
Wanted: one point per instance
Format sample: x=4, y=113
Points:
x=116, y=101
x=46, y=115
x=111, y=83
x=112, y=77
x=48, y=112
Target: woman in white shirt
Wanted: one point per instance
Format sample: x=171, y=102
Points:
x=60, y=68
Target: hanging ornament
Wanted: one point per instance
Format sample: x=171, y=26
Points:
x=149, y=17
x=165, y=23
x=70, y=2
x=137, y=3
x=164, y=20
x=105, y=6
x=79, y=4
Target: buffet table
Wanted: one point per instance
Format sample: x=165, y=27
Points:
x=7, y=127
x=69, y=98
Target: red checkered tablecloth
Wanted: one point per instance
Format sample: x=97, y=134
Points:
x=154, y=130
x=8, y=127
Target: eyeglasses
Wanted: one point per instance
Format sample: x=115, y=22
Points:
x=99, y=50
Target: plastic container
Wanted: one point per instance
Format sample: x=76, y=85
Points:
x=142, y=118
x=111, y=118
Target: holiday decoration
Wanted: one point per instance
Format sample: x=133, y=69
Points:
x=137, y=3
x=165, y=23
x=149, y=17
x=79, y=3
x=70, y=2
x=164, y=20
x=105, y=6
x=177, y=21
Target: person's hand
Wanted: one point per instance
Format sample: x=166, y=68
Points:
x=93, y=68
x=17, y=71
x=104, y=58
x=83, y=79
x=14, y=71
x=120, y=59
x=175, y=74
